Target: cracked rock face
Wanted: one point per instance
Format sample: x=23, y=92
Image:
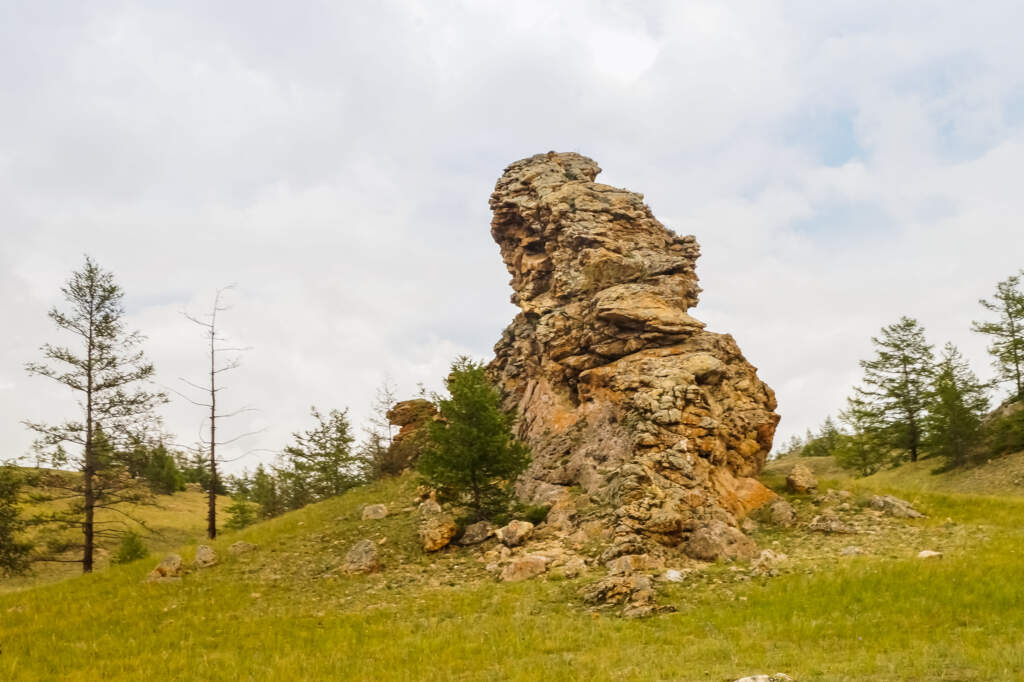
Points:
x=619, y=389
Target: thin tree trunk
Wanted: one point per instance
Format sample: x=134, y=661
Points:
x=90, y=463
x=211, y=517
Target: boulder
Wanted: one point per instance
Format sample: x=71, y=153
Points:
x=574, y=567
x=374, y=512
x=429, y=507
x=242, y=547
x=801, y=480
x=524, y=568
x=629, y=564
x=929, y=554
x=169, y=568
x=782, y=514
x=436, y=531
x=361, y=558
x=617, y=590
x=829, y=523
x=515, y=533
x=476, y=533
x=205, y=557
x=717, y=540
x=620, y=390
x=777, y=677
x=894, y=506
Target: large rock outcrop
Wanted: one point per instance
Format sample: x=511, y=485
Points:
x=619, y=389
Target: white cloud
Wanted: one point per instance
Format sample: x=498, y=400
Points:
x=335, y=161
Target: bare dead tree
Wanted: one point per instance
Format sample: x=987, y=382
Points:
x=218, y=365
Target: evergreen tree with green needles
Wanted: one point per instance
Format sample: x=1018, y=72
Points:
x=473, y=458
x=108, y=373
x=957, y=407
x=1007, y=333
x=14, y=550
x=893, y=398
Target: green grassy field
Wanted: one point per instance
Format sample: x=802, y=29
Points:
x=284, y=613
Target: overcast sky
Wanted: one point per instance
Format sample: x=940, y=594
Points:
x=840, y=163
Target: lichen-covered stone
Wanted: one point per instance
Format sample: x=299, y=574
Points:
x=619, y=389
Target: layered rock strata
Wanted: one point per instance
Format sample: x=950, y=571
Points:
x=619, y=389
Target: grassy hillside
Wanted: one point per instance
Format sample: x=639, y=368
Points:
x=284, y=612
x=998, y=476
x=172, y=520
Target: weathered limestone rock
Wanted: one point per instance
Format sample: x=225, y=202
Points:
x=429, y=506
x=829, y=523
x=620, y=390
x=524, y=568
x=242, y=547
x=894, y=506
x=362, y=558
x=929, y=554
x=373, y=512
x=476, y=533
x=777, y=677
x=437, y=531
x=411, y=416
x=719, y=541
x=205, y=557
x=782, y=514
x=801, y=480
x=169, y=568
x=515, y=533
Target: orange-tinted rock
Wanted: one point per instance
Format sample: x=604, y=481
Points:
x=619, y=388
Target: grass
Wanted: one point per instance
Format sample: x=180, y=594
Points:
x=172, y=520
x=284, y=612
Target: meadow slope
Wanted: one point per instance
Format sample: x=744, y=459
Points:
x=284, y=612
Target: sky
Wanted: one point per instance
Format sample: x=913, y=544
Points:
x=841, y=164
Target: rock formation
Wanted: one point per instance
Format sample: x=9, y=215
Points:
x=412, y=417
x=619, y=389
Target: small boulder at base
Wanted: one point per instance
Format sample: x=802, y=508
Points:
x=205, y=557
x=801, y=480
x=362, y=558
x=476, y=533
x=515, y=533
x=717, y=541
x=929, y=554
x=372, y=512
x=894, y=506
x=782, y=514
x=436, y=531
x=429, y=506
x=524, y=568
x=169, y=568
x=777, y=677
x=242, y=547
x=829, y=523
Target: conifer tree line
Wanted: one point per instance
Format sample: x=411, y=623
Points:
x=93, y=469
x=914, y=403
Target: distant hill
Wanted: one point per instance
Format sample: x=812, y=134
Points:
x=997, y=476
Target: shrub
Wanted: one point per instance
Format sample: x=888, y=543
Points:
x=131, y=549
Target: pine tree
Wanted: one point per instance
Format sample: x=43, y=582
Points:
x=161, y=471
x=860, y=450
x=825, y=442
x=265, y=494
x=240, y=513
x=108, y=373
x=321, y=463
x=957, y=407
x=1007, y=333
x=14, y=550
x=473, y=458
x=896, y=386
